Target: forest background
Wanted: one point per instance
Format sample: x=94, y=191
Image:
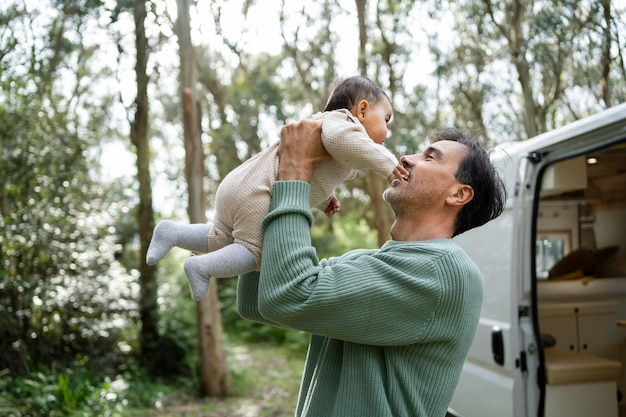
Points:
x=115, y=114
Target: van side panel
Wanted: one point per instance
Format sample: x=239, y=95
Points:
x=481, y=373
x=492, y=247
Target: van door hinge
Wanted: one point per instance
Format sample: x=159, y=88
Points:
x=523, y=311
x=535, y=157
x=497, y=345
x=521, y=362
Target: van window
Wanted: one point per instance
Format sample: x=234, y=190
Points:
x=550, y=247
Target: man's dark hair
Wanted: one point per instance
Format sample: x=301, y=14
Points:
x=477, y=171
x=350, y=91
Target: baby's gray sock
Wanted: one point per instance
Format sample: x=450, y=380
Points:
x=167, y=234
x=229, y=261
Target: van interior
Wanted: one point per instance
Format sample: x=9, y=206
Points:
x=580, y=269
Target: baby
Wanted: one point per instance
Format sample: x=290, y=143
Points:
x=354, y=127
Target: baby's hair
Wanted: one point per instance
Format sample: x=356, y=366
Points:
x=350, y=91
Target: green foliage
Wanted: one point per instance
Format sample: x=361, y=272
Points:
x=252, y=95
x=71, y=392
x=344, y=231
x=236, y=328
x=78, y=391
x=265, y=376
x=517, y=69
x=177, y=318
x=63, y=295
x=68, y=248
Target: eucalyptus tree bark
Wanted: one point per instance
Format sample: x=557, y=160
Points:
x=606, y=53
x=361, y=10
x=148, y=308
x=214, y=375
x=374, y=184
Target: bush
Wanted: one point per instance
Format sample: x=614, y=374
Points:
x=72, y=392
x=80, y=391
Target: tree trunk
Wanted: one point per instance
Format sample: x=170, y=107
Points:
x=374, y=185
x=606, y=60
x=215, y=379
x=148, y=308
x=518, y=53
x=516, y=41
x=361, y=11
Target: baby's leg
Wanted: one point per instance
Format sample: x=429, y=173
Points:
x=167, y=234
x=229, y=261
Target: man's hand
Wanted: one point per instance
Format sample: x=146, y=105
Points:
x=301, y=149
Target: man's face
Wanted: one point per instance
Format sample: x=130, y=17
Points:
x=431, y=178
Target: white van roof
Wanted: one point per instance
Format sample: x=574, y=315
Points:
x=608, y=119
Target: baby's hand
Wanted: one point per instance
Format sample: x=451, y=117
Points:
x=400, y=173
x=333, y=206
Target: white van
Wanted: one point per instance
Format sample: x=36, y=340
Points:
x=551, y=339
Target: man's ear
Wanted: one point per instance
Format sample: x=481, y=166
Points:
x=462, y=195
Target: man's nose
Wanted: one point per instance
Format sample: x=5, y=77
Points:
x=406, y=160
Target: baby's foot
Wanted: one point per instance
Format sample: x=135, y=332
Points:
x=198, y=283
x=161, y=243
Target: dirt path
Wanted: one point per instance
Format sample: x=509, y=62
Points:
x=266, y=382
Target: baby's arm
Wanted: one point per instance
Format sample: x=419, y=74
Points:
x=400, y=173
x=348, y=143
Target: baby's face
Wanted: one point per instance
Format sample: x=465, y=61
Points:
x=376, y=118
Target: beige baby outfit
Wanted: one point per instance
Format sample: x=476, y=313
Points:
x=243, y=198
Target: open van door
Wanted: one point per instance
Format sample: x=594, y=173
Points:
x=504, y=372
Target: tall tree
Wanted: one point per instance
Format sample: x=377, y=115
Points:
x=373, y=185
x=599, y=63
x=215, y=378
x=606, y=52
x=464, y=67
x=383, y=37
x=310, y=47
x=148, y=307
x=513, y=28
x=534, y=65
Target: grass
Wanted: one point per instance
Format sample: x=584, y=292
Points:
x=265, y=377
x=266, y=380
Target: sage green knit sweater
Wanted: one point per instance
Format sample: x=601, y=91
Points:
x=391, y=327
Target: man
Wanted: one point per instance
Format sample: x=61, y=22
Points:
x=390, y=327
